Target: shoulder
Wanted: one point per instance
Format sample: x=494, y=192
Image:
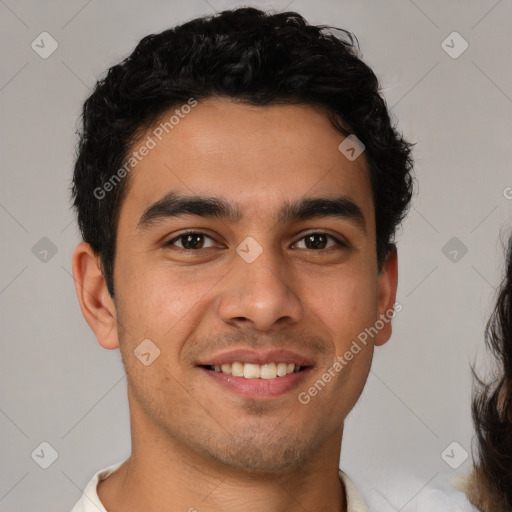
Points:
x=89, y=501
x=405, y=492
x=355, y=502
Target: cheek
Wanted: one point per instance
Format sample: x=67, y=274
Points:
x=166, y=305
x=345, y=304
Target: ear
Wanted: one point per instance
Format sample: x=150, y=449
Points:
x=388, y=282
x=96, y=304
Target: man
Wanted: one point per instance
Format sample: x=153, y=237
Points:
x=238, y=186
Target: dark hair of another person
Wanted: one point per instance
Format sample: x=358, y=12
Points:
x=490, y=485
x=249, y=56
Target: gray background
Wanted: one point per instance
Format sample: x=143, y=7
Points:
x=59, y=386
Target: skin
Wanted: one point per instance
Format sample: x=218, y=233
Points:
x=195, y=444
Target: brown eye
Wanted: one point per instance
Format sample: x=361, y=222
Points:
x=192, y=241
x=318, y=241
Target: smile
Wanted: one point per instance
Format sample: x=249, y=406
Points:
x=256, y=371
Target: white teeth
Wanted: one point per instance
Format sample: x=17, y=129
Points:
x=251, y=371
x=256, y=371
x=268, y=371
x=282, y=369
x=237, y=369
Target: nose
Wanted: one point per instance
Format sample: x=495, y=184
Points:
x=260, y=295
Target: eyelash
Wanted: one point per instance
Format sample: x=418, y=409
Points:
x=338, y=241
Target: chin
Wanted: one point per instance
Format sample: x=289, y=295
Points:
x=263, y=456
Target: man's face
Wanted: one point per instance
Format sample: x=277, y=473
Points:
x=181, y=283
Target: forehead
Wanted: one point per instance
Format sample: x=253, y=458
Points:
x=256, y=156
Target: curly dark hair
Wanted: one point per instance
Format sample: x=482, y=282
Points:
x=490, y=486
x=247, y=55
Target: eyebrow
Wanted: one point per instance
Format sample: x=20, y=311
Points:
x=174, y=205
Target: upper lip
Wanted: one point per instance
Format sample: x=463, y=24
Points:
x=257, y=357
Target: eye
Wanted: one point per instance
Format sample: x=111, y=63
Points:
x=192, y=241
x=319, y=241
x=196, y=241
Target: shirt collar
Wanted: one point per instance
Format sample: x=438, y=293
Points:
x=355, y=502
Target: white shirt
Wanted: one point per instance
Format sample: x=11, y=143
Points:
x=89, y=502
x=443, y=497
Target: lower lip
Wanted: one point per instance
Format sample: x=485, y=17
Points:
x=259, y=388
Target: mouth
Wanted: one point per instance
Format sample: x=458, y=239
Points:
x=257, y=382
x=257, y=374
x=256, y=371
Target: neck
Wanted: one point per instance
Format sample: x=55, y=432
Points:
x=161, y=472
